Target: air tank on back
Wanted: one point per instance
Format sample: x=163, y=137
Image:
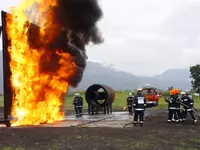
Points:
x=99, y=98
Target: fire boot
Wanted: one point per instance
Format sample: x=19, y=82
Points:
x=195, y=121
x=141, y=123
x=168, y=121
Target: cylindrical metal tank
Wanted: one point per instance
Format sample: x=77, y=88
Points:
x=99, y=95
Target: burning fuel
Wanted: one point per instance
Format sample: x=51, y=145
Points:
x=48, y=57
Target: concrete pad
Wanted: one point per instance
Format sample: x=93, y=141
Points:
x=64, y=123
x=114, y=120
x=108, y=123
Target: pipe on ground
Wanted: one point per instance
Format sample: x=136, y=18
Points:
x=99, y=95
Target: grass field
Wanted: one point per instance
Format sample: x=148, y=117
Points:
x=119, y=103
x=155, y=134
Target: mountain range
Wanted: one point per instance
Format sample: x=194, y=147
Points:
x=96, y=73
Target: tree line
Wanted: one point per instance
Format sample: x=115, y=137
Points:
x=195, y=76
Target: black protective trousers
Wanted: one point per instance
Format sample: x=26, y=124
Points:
x=77, y=111
x=130, y=109
x=139, y=114
x=179, y=115
x=171, y=113
x=80, y=110
x=190, y=112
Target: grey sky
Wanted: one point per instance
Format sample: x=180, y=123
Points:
x=147, y=37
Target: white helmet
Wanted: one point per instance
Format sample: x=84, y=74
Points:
x=182, y=93
x=187, y=91
x=130, y=94
x=76, y=94
x=139, y=90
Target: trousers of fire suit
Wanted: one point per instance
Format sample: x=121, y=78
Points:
x=188, y=102
x=139, y=105
x=78, y=105
x=130, y=103
x=172, y=108
x=178, y=110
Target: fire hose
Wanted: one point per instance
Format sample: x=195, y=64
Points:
x=193, y=108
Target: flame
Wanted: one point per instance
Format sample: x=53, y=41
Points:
x=38, y=96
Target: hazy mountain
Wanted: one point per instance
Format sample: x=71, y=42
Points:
x=119, y=80
x=96, y=73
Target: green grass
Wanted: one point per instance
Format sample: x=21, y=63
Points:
x=1, y=101
x=118, y=104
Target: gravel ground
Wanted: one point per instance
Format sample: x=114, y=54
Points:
x=156, y=134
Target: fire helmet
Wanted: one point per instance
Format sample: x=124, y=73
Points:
x=174, y=91
x=76, y=94
x=139, y=90
x=182, y=93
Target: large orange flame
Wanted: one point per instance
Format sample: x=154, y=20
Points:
x=29, y=108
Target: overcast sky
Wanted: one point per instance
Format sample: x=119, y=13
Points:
x=146, y=37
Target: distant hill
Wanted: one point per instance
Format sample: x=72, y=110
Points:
x=119, y=80
x=96, y=73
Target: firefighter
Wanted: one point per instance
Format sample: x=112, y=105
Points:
x=188, y=103
x=139, y=105
x=178, y=105
x=130, y=103
x=78, y=104
x=81, y=106
x=172, y=106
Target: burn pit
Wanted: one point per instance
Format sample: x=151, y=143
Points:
x=42, y=62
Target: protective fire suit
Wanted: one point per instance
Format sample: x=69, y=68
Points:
x=139, y=105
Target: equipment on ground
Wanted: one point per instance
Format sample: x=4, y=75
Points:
x=99, y=98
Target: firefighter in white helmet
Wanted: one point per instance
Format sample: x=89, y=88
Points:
x=188, y=103
x=139, y=105
x=78, y=104
x=130, y=99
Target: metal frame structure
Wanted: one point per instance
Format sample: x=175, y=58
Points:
x=6, y=72
x=106, y=109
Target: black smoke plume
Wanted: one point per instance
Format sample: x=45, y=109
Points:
x=77, y=22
